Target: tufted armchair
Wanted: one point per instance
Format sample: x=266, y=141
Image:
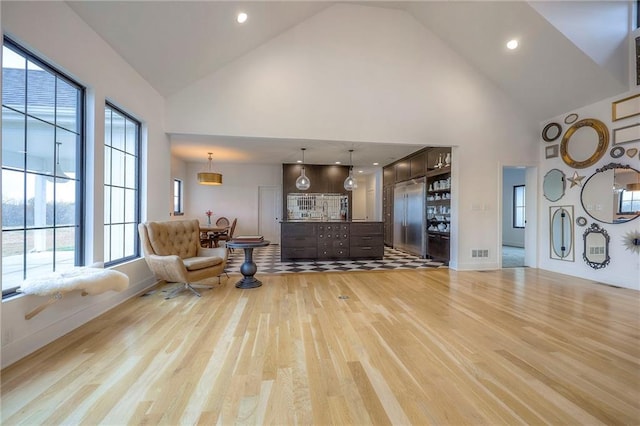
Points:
x=173, y=252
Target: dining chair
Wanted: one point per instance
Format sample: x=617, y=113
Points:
x=229, y=235
x=222, y=221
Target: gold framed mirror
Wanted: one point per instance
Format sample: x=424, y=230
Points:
x=581, y=147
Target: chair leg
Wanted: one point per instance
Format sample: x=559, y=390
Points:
x=193, y=290
x=185, y=286
x=175, y=291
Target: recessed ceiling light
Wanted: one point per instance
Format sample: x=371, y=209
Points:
x=375, y=164
x=337, y=162
x=242, y=18
x=360, y=171
x=512, y=44
x=299, y=161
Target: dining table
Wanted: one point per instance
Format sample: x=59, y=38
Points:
x=213, y=232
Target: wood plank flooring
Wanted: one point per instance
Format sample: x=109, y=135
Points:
x=516, y=346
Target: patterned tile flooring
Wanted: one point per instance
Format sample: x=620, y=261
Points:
x=268, y=261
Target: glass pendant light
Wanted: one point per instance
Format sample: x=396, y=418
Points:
x=209, y=177
x=350, y=183
x=303, y=183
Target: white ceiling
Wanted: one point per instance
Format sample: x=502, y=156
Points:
x=172, y=44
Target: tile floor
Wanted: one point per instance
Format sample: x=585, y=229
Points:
x=268, y=261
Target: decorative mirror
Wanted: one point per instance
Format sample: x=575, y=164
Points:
x=581, y=221
x=596, y=246
x=616, y=152
x=610, y=195
x=551, y=132
x=571, y=118
x=584, y=143
x=631, y=241
x=561, y=237
x=553, y=185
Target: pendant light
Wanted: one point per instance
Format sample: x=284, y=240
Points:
x=303, y=183
x=350, y=183
x=209, y=177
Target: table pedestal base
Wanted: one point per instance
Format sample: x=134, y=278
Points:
x=248, y=270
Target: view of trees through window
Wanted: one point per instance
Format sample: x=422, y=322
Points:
x=42, y=141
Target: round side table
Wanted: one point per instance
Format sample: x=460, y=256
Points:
x=249, y=268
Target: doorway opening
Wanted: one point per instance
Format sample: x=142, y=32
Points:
x=518, y=207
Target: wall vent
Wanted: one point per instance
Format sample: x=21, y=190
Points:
x=479, y=253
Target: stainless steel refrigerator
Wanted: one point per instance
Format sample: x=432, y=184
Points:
x=409, y=217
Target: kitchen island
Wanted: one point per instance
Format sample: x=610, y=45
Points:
x=326, y=240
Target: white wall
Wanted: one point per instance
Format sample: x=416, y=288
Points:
x=511, y=236
x=373, y=75
x=624, y=268
x=54, y=32
x=237, y=197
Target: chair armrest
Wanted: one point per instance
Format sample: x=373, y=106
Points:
x=220, y=252
x=169, y=268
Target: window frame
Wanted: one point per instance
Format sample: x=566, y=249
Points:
x=80, y=178
x=516, y=208
x=179, y=197
x=137, y=180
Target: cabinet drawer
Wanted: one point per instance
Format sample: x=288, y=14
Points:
x=366, y=228
x=366, y=240
x=299, y=253
x=298, y=229
x=299, y=242
x=367, y=252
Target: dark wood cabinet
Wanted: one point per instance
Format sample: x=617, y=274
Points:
x=366, y=240
x=438, y=245
x=298, y=241
x=388, y=176
x=418, y=164
x=387, y=214
x=403, y=170
x=331, y=240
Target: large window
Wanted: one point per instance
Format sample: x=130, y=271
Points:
x=121, y=185
x=42, y=143
x=518, y=206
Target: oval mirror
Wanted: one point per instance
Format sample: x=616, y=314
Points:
x=596, y=247
x=584, y=143
x=553, y=185
x=610, y=194
x=562, y=233
x=551, y=132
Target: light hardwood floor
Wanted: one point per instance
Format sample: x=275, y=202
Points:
x=516, y=346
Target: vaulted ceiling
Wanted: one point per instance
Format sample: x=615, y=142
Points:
x=571, y=53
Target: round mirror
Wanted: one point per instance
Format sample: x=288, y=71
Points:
x=610, y=196
x=584, y=143
x=561, y=233
x=553, y=185
x=551, y=132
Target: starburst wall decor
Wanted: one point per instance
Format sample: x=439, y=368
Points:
x=631, y=241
